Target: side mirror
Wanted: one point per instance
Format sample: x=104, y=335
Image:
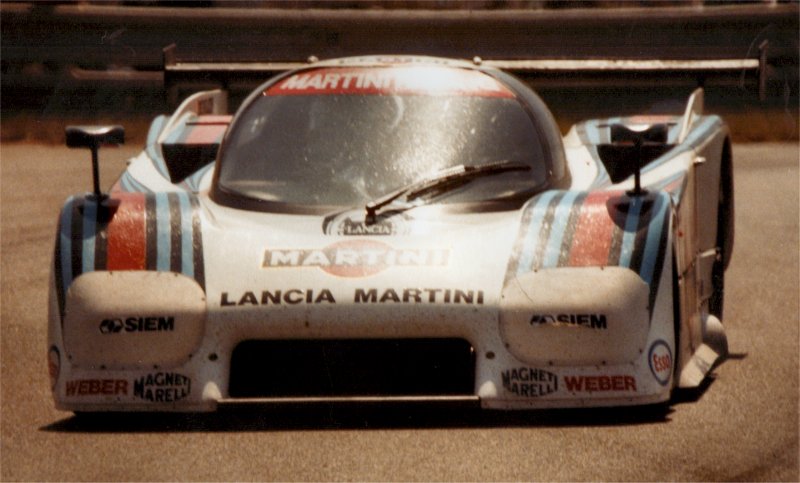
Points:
x=646, y=143
x=654, y=134
x=93, y=137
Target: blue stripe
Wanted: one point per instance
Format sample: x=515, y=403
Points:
x=129, y=184
x=139, y=187
x=193, y=181
x=181, y=131
x=595, y=137
x=155, y=129
x=674, y=130
x=629, y=237
x=532, y=235
x=125, y=183
x=677, y=194
x=653, y=239
x=155, y=157
x=177, y=134
x=89, y=226
x=593, y=132
x=162, y=232
x=560, y=219
x=602, y=178
x=66, y=243
x=699, y=132
x=662, y=183
x=187, y=253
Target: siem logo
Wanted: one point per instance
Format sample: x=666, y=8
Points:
x=592, y=321
x=138, y=324
x=111, y=326
x=660, y=360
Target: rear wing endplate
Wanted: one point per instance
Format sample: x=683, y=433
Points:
x=694, y=109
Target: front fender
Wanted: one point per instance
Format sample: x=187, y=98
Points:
x=128, y=232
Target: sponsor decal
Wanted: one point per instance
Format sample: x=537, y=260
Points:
x=137, y=324
x=591, y=321
x=418, y=295
x=529, y=382
x=660, y=359
x=278, y=297
x=360, y=296
x=355, y=225
x=162, y=387
x=617, y=383
x=53, y=365
x=356, y=258
x=97, y=387
x=401, y=80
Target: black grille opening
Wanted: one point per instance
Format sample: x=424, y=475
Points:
x=352, y=367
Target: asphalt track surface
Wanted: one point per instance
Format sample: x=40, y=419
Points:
x=743, y=425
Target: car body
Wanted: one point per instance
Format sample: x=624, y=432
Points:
x=395, y=229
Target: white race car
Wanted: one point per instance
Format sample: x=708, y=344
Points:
x=394, y=229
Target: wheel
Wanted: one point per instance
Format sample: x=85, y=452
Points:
x=724, y=233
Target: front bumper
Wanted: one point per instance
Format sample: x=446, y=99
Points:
x=500, y=373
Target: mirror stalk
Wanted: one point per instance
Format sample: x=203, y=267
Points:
x=93, y=137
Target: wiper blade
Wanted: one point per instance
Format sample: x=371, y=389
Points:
x=443, y=181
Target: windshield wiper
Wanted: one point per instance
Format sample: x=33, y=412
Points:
x=443, y=181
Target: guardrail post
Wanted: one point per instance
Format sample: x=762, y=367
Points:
x=170, y=90
x=762, y=70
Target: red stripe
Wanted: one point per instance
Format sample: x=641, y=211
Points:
x=593, y=232
x=126, y=233
x=205, y=133
x=673, y=186
x=401, y=80
x=206, y=129
x=205, y=119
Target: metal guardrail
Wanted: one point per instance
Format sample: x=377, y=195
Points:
x=756, y=44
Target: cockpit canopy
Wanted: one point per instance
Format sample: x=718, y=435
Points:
x=342, y=136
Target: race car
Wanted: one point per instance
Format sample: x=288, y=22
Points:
x=408, y=228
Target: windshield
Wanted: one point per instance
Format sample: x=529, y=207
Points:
x=343, y=148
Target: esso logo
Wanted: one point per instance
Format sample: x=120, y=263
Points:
x=660, y=359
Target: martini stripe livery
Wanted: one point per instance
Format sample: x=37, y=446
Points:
x=572, y=229
x=130, y=231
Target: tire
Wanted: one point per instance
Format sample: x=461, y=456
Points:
x=676, y=310
x=724, y=232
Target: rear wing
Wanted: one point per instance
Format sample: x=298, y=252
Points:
x=183, y=74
